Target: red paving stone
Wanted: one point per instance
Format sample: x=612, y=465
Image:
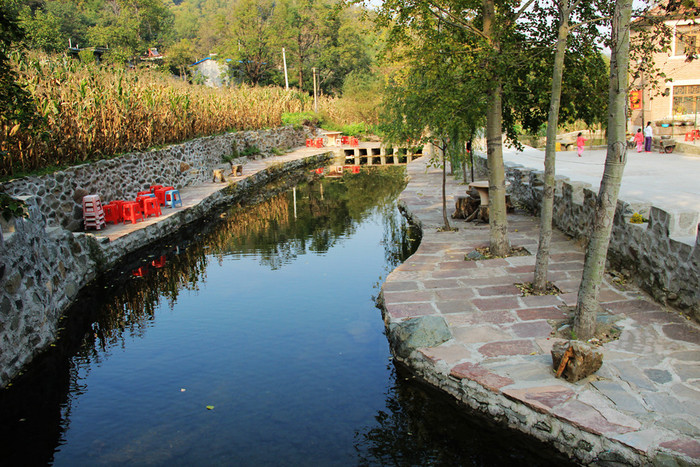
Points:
x=541, y=398
x=498, y=290
x=588, y=418
x=493, y=304
x=689, y=447
x=481, y=375
x=409, y=310
x=549, y=312
x=409, y=296
x=541, y=300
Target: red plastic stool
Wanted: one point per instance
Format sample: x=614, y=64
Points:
x=113, y=213
x=153, y=188
x=309, y=142
x=131, y=211
x=160, y=193
x=149, y=206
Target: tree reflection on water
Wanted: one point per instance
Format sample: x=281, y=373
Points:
x=35, y=411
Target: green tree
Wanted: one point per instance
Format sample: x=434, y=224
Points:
x=43, y=30
x=250, y=40
x=302, y=34
x=596, y=253
x=129, y=27
x=563, y=11
x=431, y=96
x=344, y=48
x=180, y=55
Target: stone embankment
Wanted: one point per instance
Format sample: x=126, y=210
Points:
x=45, y=260
x=467, y=329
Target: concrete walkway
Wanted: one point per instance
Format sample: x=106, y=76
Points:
x=641, y=407
x=668, y=181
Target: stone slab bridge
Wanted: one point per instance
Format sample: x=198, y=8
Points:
x=374, y=153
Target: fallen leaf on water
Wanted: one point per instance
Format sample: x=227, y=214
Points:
x=210, y=407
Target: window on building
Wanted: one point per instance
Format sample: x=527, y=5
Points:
x=687, y=39
x=684, y=99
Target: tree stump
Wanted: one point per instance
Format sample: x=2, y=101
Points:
x=218, y=175
x=465, y=206
x=236, y=170
x=575, y=360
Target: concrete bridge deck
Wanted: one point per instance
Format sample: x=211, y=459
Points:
x=641, y=407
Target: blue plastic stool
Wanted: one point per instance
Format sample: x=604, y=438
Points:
x=172, y=198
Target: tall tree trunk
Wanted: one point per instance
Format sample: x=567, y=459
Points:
x=594, y=265
x=547, y=207
x=498, y=223
x=444, y=182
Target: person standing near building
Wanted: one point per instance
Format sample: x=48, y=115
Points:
x=580, y=143
x=648, y=134
x=639, y=139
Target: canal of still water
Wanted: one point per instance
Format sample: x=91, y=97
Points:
x=252, y=338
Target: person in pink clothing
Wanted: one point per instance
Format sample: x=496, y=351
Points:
x=580, y=143
x=639, y=139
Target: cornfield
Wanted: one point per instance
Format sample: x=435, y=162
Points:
x=94, y=112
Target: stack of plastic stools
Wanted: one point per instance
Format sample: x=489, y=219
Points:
x=172, y=198
x=131, y=211
x=93, y=214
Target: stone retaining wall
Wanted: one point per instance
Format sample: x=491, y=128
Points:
x=43, y=264
x=662, y=256
x=60, y=194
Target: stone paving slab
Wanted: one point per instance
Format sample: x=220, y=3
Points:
x=641, y=407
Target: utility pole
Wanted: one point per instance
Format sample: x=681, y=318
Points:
x=313, y=70
x=286, y=80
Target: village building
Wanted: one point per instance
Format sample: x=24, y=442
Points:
x=672, y=108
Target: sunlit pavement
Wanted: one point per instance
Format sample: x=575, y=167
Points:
x=646, y=397
x=668, y=181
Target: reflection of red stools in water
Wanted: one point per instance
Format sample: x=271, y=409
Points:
x=140, y=272
x=160, y=193
x=149, y=206
x=158, y=263
x=131, y=211
x=113, y=213
x=356, y=169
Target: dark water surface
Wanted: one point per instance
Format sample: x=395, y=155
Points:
x=252, y=339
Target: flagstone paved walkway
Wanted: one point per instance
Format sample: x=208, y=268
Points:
x=642, y=406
